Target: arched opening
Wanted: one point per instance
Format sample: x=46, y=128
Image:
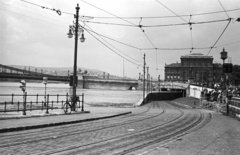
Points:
x=132, y=88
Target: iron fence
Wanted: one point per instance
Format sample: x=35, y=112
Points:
x=27, y=102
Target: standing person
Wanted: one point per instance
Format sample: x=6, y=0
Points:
x=219, y=98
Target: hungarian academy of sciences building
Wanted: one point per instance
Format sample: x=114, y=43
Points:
x=197, y=67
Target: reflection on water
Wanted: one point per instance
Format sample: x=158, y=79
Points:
x=91, y=96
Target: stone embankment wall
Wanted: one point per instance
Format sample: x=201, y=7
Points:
x=234, y=107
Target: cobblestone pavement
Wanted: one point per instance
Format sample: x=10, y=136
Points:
x=141, y=132
x=221, y=136
x=12, y=121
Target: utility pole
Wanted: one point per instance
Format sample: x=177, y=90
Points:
x=144, y=63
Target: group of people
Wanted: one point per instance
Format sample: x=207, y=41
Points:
x=219, y=97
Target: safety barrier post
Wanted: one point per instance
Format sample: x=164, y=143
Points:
x=82, y=102
x=5, y=106
x=12, y=98
x=47, y=104
x=31, y=106
x=24, y=102
x=52, y=104
x=18, y=106
x=37, y=99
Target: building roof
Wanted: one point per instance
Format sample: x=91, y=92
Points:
x=196, y=55
x=173, y=65
x=217, y=65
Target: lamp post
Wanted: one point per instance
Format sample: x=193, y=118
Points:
x=223, y=57
x=76, y=30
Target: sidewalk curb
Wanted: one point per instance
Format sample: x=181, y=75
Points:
x=45, y=115
x=4, y=130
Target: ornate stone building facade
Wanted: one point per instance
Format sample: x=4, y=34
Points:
x=196, y=66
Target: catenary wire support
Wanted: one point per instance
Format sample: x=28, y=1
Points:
x=44, y=7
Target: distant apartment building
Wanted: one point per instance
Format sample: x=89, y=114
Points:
x=196, y=66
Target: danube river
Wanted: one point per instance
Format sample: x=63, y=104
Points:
x=91, y=96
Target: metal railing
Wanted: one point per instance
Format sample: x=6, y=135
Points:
x=26, y=102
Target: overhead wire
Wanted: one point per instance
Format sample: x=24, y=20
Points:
x=104, y=35
x=108, y=12
x=58, y=11
x=170, y=10
x=156, y=25
x=154, y=17
x=132, y=24
x=115, y=40
x=227, y=44
x=220, y=35
x=21, y=9
x=159, y=25
x=113, y=46
x=96, y=38
x=19, y=14
x=148, y=49
x=123, y=20
x=150, y=41
x=112, y=49
x=190, y=27
x=223, y=8
x=44, y=7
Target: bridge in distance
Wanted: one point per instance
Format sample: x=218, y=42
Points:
x=8, y=73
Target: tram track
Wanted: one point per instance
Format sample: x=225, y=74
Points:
x=139, y=140
x=179, y=133
x=105, y=143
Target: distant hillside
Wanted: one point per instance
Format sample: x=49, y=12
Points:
x=65, y=71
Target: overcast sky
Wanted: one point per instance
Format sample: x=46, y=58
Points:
x=33, y=36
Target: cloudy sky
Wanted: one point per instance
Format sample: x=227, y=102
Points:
x=116, y=43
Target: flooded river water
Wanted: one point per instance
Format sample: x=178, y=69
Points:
x=91, y=96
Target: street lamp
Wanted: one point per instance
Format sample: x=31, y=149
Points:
x=76, y=30
x=224, y=55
